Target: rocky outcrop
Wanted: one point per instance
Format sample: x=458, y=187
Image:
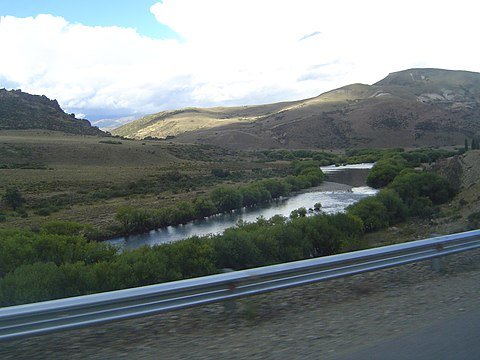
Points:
x=20, y=110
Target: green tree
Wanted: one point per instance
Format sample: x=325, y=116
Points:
x=396, y=208
x=226, y=198
x=133, y=220
x=13, y=198
x=466, y=144
x=203, y=207
x=372, y=212
x=385, y=170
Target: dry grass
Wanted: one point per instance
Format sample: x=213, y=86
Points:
x=44, y=165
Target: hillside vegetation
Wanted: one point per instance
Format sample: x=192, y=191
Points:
x=88, y=178
x=416, y=107
x=20, y=110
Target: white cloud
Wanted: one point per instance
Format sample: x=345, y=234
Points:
x=233, y=52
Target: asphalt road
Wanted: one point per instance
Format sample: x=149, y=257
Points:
x=452, y=339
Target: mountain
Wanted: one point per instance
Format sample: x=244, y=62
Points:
x=415, y=107
x=20, y=110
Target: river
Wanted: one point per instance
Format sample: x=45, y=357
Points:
x=346, y=186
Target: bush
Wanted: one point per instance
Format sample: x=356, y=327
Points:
x=13, y=198
x=226, y=198
x=275, y=187
x=474, y=220
x=300, y=212
x=203, y=208
x=323, y=237
x=235, y=249
x=32, y=283
x=251, y=195
x=133, y=220
x=385, y=170
x=397, y=211
x=63, y=228
x=422, y=207
x=410, y=185
x=372, y=212
x=220, y=173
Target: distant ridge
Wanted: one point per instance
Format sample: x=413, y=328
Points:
x=414, y=107
x=20, y=110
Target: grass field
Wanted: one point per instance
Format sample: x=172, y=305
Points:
x=86, y=178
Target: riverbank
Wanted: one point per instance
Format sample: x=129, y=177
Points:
x=333, y=197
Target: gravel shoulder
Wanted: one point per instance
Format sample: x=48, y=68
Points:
x=323, y=320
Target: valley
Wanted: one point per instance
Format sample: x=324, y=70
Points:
x=77, y=189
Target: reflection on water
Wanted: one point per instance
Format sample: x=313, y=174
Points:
x=332, y=201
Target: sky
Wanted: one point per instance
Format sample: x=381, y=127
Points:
x=114, y=61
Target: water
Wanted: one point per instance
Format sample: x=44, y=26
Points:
x=354, y=175
x=334, y=197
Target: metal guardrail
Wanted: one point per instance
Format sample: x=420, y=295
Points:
x=75, y=312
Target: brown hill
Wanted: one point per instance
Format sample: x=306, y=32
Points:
x=416, y=107
x=20, y=110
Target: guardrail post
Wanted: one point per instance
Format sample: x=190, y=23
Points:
x=437, y=262
x=230, y=306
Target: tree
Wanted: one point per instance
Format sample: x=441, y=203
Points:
x=372, y=212
x=466, y=144
x=13, y=198
x=385, y=170
x=133, y=220
x=226, y=198
x=475, y=145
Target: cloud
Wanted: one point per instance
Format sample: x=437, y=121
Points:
x=232, y=52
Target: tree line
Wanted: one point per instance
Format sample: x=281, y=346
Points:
x=223, y=198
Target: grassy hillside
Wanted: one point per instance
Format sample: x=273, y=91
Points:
x=171, y=123
x=416, y=107
x=19, y=110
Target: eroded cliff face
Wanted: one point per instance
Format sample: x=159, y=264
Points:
x=452, y=169
x=463, y=212
x=462, y=171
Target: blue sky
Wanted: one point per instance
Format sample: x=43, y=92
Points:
x=124, y=13
x=114, y=61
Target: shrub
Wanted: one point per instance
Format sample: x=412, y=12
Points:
x=323, y=238
x=372, y=212
x=410, y=184
x=13, y=198
x=133, y=220
x=397, y=211
x=203, y=207
x=226, y=198
x=251, y=195
x=235, y=249
x=32, y=283
x=275, y=187
x=63, y=228
x=300, y=212
x=220, y=173
x=474, y=220
x=385, y=170
x=422, y=207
